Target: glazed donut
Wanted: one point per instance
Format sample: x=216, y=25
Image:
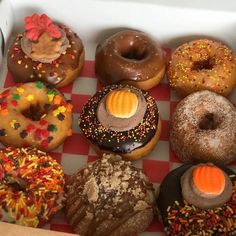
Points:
x=202, y=65
x=31, y=186
x=51, y=53
x=130, y=57
x=34, y=115
x=121, y=119
x=198, y=200
x=109, y=197
x=203, y=128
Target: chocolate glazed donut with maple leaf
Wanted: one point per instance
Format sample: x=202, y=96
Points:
x=51, y=53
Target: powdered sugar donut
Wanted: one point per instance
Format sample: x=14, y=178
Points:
x=203, y=128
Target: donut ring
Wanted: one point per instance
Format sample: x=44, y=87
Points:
x=202, y=65
x=31, y=186
x=130, y=57
x=203, y=128
x=59, y=72
x=132, y=142
x=34, y=115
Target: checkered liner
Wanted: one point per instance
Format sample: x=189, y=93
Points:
x=76, y=151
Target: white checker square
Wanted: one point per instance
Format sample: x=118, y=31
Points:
x=91, y=151
x=138, y=163
x=75, y=126
x=59, y=149
x=164, y=80
x=160, y=152
x=175, y=165
x=173, y=96
x=85, y=86
x=164, y=108
x=71, y=163
x=67, y=96
x=90, y=50
x=232, y=97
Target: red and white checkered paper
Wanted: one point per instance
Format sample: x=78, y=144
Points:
x=76, y=152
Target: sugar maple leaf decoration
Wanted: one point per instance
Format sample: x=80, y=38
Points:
x=35, y=25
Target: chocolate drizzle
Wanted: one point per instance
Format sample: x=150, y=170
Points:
x=119, y=142
x=105, y=195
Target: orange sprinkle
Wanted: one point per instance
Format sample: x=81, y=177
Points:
x=69, y=107
x=69, y=132
x=209, y=179
x=57, y=100
x=4, y=112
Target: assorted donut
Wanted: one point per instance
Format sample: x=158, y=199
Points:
x=122, y=123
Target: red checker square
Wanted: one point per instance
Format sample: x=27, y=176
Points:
x=168, y=53
x=156, y=170
x=92, y=158
x=161, y=92
x=67, y=89
x=56, y=156
x=9, y=81
x=173, y=107
x=79, y=101
x=61, y=228
x=165, y=129
x=173, y=157
x=155, y=226
x=76, y=144
x=88, y=69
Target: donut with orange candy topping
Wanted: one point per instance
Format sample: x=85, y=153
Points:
x=31, y=186
x=121, y=119
x=198, y=199
x=33, y=115
x=48, y=52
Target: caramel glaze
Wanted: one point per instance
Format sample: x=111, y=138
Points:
x=118, y=142
x=105, y=195
x=24, y=69
x=170, y=189
x=128, y=55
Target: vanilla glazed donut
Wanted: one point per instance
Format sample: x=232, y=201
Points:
x=48, y=52
x=121, y=119
x=130, y=57
x=203, y=128
x=31, y=186
x=202, y=65
x=33, y=115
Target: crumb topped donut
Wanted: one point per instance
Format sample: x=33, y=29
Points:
x=130, y=57
x=198, y=199
x=109, y=197
x=202, y=65
x=48, y=52
x=31, y=186
x=121, y=119
x=203, y=128
x=34, y=115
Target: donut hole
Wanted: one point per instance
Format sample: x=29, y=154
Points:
x=209, y=122
x=203, y=65
x=34, y=112
x=17, y=185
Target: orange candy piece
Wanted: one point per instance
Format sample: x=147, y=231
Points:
x=122, y=103
x=209, y=179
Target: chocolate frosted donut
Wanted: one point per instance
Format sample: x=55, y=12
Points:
x=203, y=128
x=130, y=57
x=109, y=197
x=51, y=53
x=208, y=183
x=121, y=119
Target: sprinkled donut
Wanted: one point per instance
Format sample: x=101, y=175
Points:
x=31, y=186
x=203, y=128
x=33, y=115
x=121, y=119
x=51, y=53
x=198, y=199
x=202, y=65
x=130, y=57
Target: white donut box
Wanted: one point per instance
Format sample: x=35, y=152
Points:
x=171, y=22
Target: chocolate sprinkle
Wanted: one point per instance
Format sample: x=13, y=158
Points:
x=52, y=128
x=23, y=134
x=16, y=126
x=3, y=132
x=61, y=117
